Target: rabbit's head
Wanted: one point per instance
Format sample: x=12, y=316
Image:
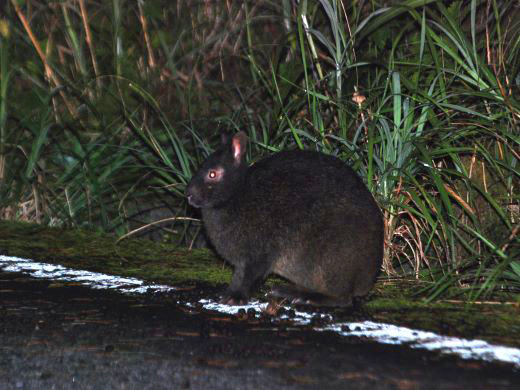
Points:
x=221, y=175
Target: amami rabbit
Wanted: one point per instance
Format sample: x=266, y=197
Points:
x=303, y=215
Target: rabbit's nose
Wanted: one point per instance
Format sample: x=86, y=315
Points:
x=191, y=199
x=188, y=191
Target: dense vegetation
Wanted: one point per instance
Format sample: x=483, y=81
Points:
x=107, y=107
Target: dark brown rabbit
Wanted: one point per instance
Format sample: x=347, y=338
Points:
x=303, y=215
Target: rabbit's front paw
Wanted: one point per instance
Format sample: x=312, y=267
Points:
x=233, y=298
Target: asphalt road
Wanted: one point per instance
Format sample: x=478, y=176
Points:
x=58, y=336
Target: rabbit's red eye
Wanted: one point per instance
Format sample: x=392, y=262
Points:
x=214, y=175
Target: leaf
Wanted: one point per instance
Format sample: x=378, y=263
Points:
x=515, y=265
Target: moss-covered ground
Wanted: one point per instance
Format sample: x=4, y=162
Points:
x=393, y=301
x=140, y=258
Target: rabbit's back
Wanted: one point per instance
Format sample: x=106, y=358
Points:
x=300, y=178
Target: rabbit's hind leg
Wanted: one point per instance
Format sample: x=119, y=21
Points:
x=299, y=296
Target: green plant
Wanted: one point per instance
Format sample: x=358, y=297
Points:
x=103, y=118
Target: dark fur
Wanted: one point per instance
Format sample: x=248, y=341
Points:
x=300, y=214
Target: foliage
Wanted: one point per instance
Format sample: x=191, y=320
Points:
x=107, y=108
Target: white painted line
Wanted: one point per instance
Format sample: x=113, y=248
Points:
x=94, y=280
x=392, y=334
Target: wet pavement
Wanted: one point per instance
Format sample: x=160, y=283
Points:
x=64, y=335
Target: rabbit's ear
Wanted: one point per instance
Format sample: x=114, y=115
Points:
x=225, y=137
x=238, y=146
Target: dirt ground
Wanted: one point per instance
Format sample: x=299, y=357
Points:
x=57, y=336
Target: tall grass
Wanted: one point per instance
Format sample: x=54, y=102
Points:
x=104, y=118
